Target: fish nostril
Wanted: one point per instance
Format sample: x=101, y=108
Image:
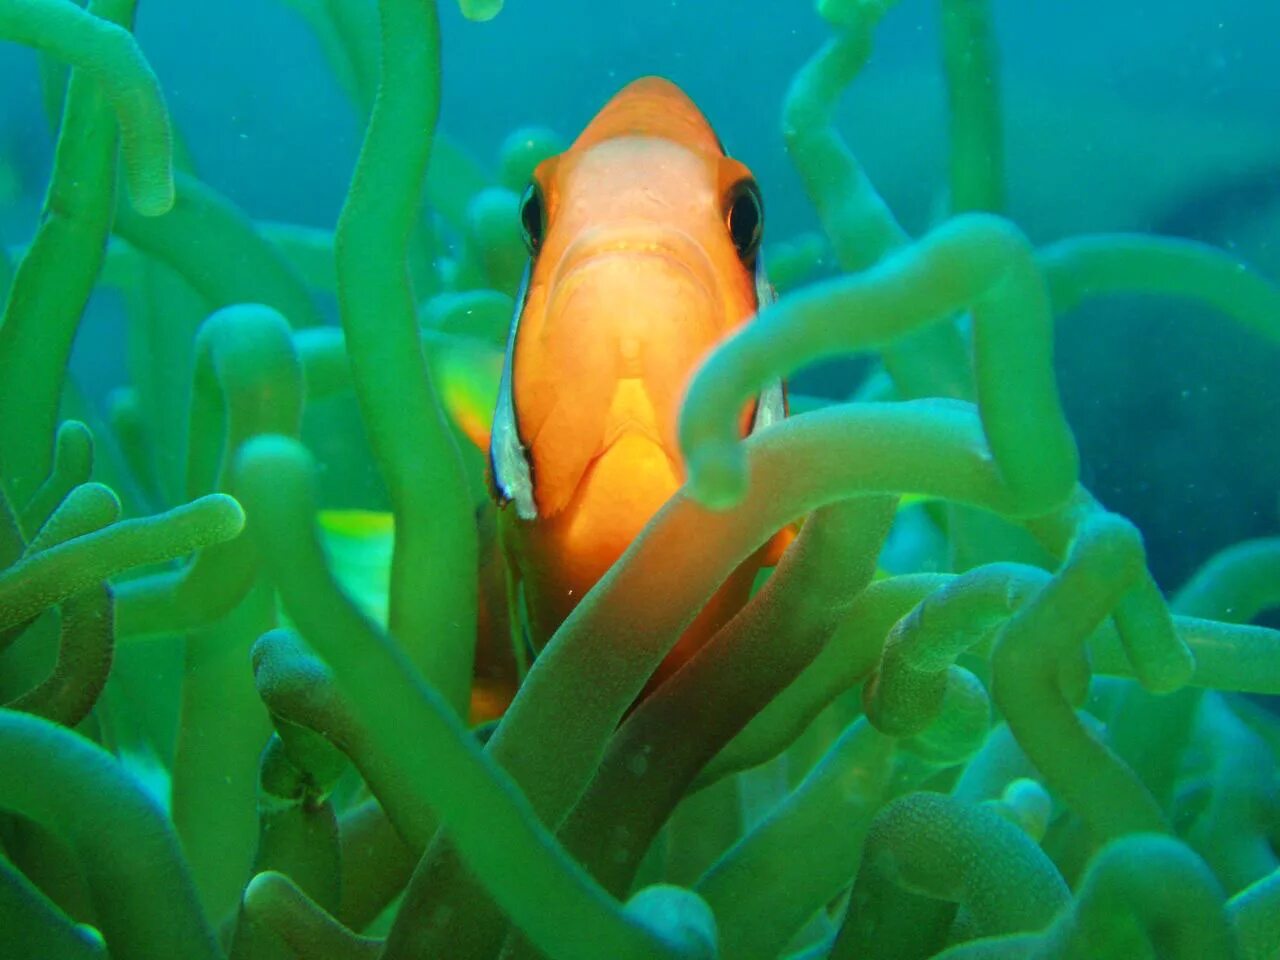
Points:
x=630, y=360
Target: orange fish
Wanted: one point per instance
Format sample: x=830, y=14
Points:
x=644, y=241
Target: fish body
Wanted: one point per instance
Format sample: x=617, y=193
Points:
x=644, y=241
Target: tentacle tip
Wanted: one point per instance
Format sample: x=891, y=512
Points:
x=92, y=938
x=76, y=431
x=153, y=200
x=1114, y=544
x=1171, y=673
x=226, y=515
x=480, y=10
x=268, y=646
x=881, y=713
x=852, y=13
x=264, y=884
x=269, y=455
x=718, y=476
x=901, y=725
x=677, y=916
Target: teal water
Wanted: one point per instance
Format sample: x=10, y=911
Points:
x=928, y=725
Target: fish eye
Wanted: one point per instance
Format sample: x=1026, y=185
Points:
x=533, y=217
x=745, y=218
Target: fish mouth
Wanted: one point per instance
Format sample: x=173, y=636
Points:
x=630, y=427
x=634, y=428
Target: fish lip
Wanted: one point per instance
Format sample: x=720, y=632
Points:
x=631, y=426
x=631, y=429
x=638, y=239
x=635, y=428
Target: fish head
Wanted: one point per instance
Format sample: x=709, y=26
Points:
x=644, y=236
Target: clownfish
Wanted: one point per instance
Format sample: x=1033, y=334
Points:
x=644, y=254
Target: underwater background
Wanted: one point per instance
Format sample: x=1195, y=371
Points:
x=882, y=792
x=1133, y=116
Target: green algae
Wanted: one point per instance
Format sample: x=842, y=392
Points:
x=942, y=786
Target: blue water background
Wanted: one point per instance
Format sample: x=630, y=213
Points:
x=1120, y=115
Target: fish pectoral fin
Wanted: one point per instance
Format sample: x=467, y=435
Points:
x=466, y=373
x=358, y=545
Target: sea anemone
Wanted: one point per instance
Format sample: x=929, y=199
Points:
x=1031, y=754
